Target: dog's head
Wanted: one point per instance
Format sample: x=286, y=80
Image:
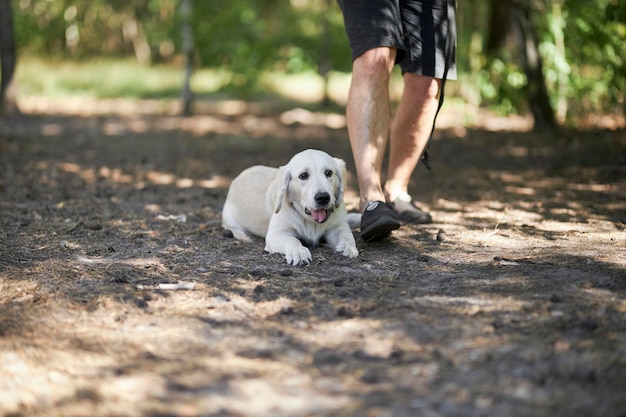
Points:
x=313, y=184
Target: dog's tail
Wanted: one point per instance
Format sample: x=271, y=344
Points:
x=354, y=220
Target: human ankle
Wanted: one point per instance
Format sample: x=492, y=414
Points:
x=393, y=192
x=365, y=200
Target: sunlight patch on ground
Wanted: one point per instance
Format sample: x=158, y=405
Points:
x=306, y=117
x=309, y=87
x=474, y=305
x=600, y=188
x=118, y=176
x=568, y=227
x=334, y=334
x=115, y=175
x=525, y=191
x=216, y=181
x=269, y=399
x=51, y=129
x=134, y=262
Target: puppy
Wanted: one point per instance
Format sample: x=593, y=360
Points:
x=301, y=202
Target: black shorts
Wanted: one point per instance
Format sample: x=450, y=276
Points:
x=417, y=29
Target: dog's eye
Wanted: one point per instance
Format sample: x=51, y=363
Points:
x=304, y=176
x=328, y=173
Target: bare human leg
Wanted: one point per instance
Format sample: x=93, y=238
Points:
x=410, y=131
x=368, y=119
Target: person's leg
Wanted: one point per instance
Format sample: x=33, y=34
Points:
x=430, y=35
x=368, y=119
x=410, y=131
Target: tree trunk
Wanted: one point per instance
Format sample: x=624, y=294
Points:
x=562, y=82
x=186, y=10
x=536, y=91
x=513, y=17
x=132, y=31
x=499, y=25
x=325, y=64
x=7, y=60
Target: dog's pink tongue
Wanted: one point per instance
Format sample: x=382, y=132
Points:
x=319, y=215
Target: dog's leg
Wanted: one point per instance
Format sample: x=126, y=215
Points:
x=229, y=222
x=239, y=234
x=291, y=247
x=341, y=240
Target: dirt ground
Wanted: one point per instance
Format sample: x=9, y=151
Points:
x=120, y=295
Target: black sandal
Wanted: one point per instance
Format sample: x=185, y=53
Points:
x=377, y=221
x=408, y=212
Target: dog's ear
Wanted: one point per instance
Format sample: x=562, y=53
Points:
x=286, y=178
x=340, y=171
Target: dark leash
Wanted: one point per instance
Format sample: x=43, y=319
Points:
x=449, y=55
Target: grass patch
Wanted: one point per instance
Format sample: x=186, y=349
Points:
x=110, y=78
x=125, y=78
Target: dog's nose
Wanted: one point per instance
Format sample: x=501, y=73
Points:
x=322, y=198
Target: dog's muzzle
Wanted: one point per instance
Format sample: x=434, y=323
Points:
x=319, y=216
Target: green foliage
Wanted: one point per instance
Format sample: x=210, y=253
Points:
x=582, y=48
x=596, y=39
x=500, y=84
x=250, y=37
x=84, y=29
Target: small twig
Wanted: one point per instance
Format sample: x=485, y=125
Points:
x=493, y=232
x=517, y=261
x=75, y=226
x=168, y=287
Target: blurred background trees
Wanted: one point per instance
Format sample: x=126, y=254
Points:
x=8, y=103
x=560, y=60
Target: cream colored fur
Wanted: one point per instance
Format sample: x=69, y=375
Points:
x=287, y=206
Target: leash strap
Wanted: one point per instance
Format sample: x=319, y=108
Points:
x=449, y=55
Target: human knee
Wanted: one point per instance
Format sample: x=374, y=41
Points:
x=433, y=89
x=425, y=86
x=375, y=62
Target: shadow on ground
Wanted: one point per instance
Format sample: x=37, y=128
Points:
x=120, y=294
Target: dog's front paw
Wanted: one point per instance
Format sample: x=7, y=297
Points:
x=298, y=256
x=348, y=249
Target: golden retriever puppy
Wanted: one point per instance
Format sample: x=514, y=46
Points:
x=301, y=202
